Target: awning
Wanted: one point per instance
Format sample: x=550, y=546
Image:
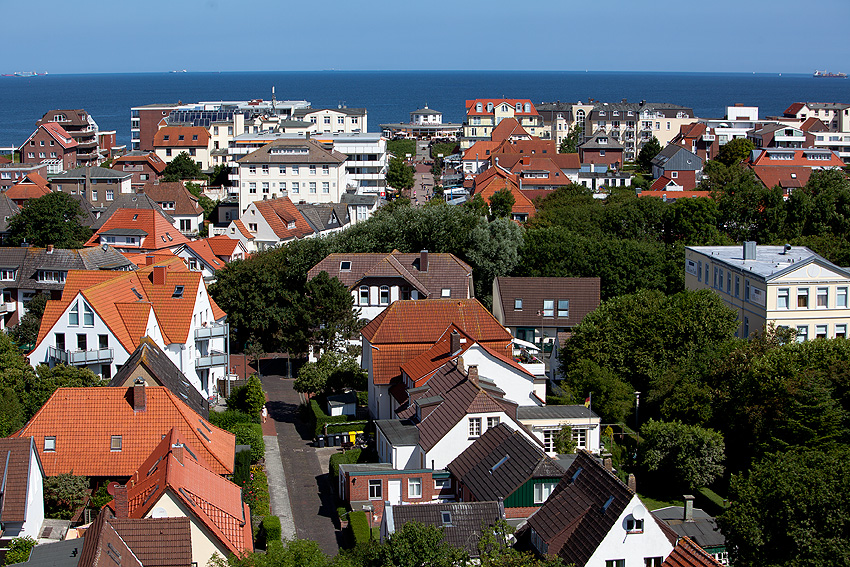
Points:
x=526, y=344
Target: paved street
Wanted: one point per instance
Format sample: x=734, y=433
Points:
x=311, y=498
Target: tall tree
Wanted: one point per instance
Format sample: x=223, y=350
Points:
x=647, y=154
x=735, y=151
x=680, y=456
x=26, y=331
x=501, y=204
x=569, y=145
x=399, y=174
x=418, y=545
x=182, y=167
x=52, y=219
x=329, y=312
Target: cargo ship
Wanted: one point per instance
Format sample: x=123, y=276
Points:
x=826, y=75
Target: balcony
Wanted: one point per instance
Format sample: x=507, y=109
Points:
x=213, y=359
x=80, y=357
x=708, y=137
x=212, y=332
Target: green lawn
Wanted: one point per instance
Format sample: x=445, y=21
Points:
x=654, y=504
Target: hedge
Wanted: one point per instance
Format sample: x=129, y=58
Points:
x=269, y=531
x=347, y=458
x=242, y=468
x=251, y=434
x=227, y=419
x=359, y=525
x=348, y=426
x=319, y=418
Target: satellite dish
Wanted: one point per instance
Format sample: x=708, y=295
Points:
x=110, y=488
x=159, y=512
x=639, y=513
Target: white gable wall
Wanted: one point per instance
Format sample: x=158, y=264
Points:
x=204, y=543
x=633, y=547
x=518, y=386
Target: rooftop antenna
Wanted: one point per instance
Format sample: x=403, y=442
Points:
x=273, y=101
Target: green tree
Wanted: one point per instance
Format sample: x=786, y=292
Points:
x=182, y=167
x=791, y=509
x=26, y=331
x=494, y=550
x=400, y=148
x=681, y=456
x=748, y=209
x=647, y=153
x=564, y=442
x=11, y=412
x=19, y=550
x=330, y=313
x=63, y=494
x=570, y=143
x=418, y=545
x=501, y=204
x=220, y=177
x=249, y=398
x=288, y=553
x=52, y=219
x=332, y=373
x=399, y=174
x=735, y=151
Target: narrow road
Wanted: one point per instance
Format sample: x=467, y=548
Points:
x=311, y=497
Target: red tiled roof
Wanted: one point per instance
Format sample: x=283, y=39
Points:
x=175, y=192
x=783, y=176
x=689, y=554
x=202, y=250
x=480, y=150
x=512, y=102
x=799, y=159
x=241, y=226
x=141, y=259
x=419, y=368
x=153, y=160
x=567, y=161
x=813, y=125
x=279, y=213
x=795, y=108
x=60, y=135
x=522, y=204
x=213, y=500
x=174, y=133
x=507, y=128
x=32, y=186
x=161, y=234
x=83, y=444
x=222, y=245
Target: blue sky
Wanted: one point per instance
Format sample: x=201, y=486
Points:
x=265, y=35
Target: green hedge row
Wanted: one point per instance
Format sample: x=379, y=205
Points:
x=347, y=458
x=359, y=525
x=269, y=531
x=251, y=434
x=319, y=418
x=347, y=426
x=227, y=419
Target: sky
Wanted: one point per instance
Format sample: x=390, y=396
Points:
x=93, y=36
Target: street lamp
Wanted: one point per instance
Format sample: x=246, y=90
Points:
x=637, y=409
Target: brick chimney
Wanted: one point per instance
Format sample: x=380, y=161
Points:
x=460, y=365
x=159, y=275
x=177, y=451
x=608, y=464
x=122, y=505
x=139, y=395
x=423, y=261
x=632, y=483
x=689, y=508
x=454, y=342
x=472, y=374
x=149, y=260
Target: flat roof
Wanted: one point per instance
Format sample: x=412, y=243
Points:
x=770, y=261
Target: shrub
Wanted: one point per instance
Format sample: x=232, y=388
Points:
x=249, y=398
x=63, y=494
x=319, y=418
x=269, y=531
x=19, y=550
x=227, y=419
x=255, y=493
x=347, y=458
x=359, y=525
x=348, y=426
x=101, y=497
x=242, y=468
x=251, y=434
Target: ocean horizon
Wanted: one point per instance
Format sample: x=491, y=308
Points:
x=389, y=96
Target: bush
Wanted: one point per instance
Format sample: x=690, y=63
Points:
x=255, y=493
x=319, y=418
x=19, y=550
x=242, y=468
x=63, y=494
x=269, y=531
x=348, y=426
x=249, y=398
x=347, y=458
x=359, y=525
x=227, y=419
x=251, y=434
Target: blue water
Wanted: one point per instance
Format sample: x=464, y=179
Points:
x=390, y=95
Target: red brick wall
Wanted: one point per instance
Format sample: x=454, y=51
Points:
x=149, y=120
x=356, y=488
x=69, y=157
x=611, y=157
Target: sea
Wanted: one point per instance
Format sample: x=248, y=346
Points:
x=389, y=96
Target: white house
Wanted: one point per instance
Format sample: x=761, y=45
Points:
x=22, y=495
x=266, y=224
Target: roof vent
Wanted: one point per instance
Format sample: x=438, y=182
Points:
x=749, y=250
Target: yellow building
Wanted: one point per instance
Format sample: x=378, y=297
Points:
x=484, y=114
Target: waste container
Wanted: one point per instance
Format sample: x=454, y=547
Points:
x=320, y=441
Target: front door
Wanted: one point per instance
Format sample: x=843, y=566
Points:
x=394, y=492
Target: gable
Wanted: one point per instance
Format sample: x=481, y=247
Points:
x=813, y=271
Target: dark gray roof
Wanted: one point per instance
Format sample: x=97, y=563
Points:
x=365, y=468
x=342, y=399
x=354, y=199
x=125, y=232
x=90, y=173
x=665, y=108
x=582, y=293
x=554, y=412
x=703, y=529
x=59, y=554
x=88, y=218
x=467, y=519
x=501, y=461
x=8, y=209
x=426, y=110
x=675, y=157
x=29, y=261
x=324, y=216
x=315, y=154
x=398, y=433
x=160, y=367
x=594, y=144
x=130, y=201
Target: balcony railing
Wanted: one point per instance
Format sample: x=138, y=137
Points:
x=80, y=357
x=211, y=332
x=210, y=360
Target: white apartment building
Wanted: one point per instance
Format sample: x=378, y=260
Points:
x=328, y=120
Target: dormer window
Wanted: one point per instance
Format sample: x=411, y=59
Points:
x=115, y=443
x=165, y=137
x=489, y=107
x=479, y=107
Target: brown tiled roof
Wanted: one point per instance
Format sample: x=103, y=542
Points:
x=813, y=125
x=73, y=116
x=785, y=177
x=798, y=160
x=507, y=128
x=522, y=204
x=468, y=519
x=157, y=542
x=153, y=160
x=101, y=541
x=175, y=192
x=688, y=554
x=222, y=245
x=444, y=271
x=14, y=475
x=174, y=133
x=582, y=293
x=525, y=460
x=316, y=154
x=419, y=368
x=84, y=448
x=470, y=106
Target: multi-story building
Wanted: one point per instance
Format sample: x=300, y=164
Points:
x=301, y=169
x=787, y=286
x=699, y=139
x=142, y=167
x=98, y=185
x=82, y=128
x=835, y=115
x=343, y=119
x=602, y=148
x=779, y=136
x=11, y=173
x=51, y=145
x=560, y=118
x=176, y=201
x=425, y=123
x=171, y=141
x=145, y=121
x=483, y=115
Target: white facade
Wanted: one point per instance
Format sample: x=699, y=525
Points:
x=34, y=511
x=328, y=120
x=311, y=183
x=459, y=438
x=634, y=546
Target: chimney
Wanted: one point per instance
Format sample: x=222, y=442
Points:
x=122, y=506
x=460, y=365
x=423, y=261
x=50, y=249
x=454, y=342
x=749, y=250
x=472, y=374
x=632, y=483
x=149, y=260
x=177, y=451
x=689, y=508
x=139, y=396
x=608, y=464
x=159, y=275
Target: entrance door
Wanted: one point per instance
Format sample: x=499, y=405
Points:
x=394, y=491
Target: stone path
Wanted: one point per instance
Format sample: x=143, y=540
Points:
x=277, y=487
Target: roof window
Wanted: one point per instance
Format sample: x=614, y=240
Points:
x=115, y=443
x=345, y=266
x=178, y=291
x=50, y=443
x=446, y=517
x=501, y=462
x=180, y=137
x=135, y=291
x=136, y=216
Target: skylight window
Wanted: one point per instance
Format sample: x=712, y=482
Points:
x=446, y=517
x=501, y=462
x=178, y=291
x=135, y=217
x=138, y=295
x=345, y=266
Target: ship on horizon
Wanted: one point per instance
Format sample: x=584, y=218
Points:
x=23, y=74
x=825, y=75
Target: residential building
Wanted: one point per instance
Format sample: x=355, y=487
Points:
x=302, y=170
x=342, y=119
x=8, y=209
x=737, y=122
x=32, y=186
x=377, y=280
x=138, y=230
x=541, y=174
x=461, y=523
x=122, y=427
x=366, y=159
x=406, y=329
x=536, y=309
x=11, y=173
x=675, y=167
x=592, y=518
x=104, y=316
x=426, y=124
x=483, y=115
x=325, y=218
x=125, y=201
x=99, y=186
x=602, y=148
x=175, y=481
x=503, y=465
x=145, y=121
x=208, y=255
x=266, y=224
x=696, y=525
x=426, y=115
x=835, y=115
x=545, y=422
x=699, y=138
x=779, y=136
x=26, y=271
x=179, y=203
x=789, y=167
x=171, y=141
x=82, y=129
x=50, y=144
x=599, y=178
x=496, y=179
x=787, y=286
x=689, y=554
x=143, y=167
x=22, y=497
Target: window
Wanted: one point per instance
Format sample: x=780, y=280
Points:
x=802, y=333
x=634, y=525
x=652, y=561
x=782, y=298
x=94, y=195
x=312, y=187
x=822, y=298
x=446, y=292
x=563, y=308
x=326, y=187
x=252, y=227
x=841, y=331
x=615, y=563
x=82, y=341
x=167, y=152
x=580, y=437
x=345, y=266
x=728, y=282
x=60, y=341
x=110, y=194
x=442, y=483
x=105, y=371
x=841, y=297
x=518, y=304
x=50, y=443
x=820, y=331
x=493, y=422
x=414, y=488
x=252, y=169
x=746, y=327
x=326, y=170
x=74, y=315
x=364, y=295
x=746, y=290
x=103, y=341
x=548, y=307
x=446, y=517
x=265, y=187
x=312, y=170
x=802, y=298
x=252, y=188
x=542, y=490
x=737, y=286
x=375, y=492
x=385, y=295
x=295, y=187
x=115, y=443
x=474, y=426
x=295, y=170
x=185, y=225
x=549, y=439
x=88, y=315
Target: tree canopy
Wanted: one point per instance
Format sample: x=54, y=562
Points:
x=182, y=167
x=399, y=174
x=647, y=153
x=52, y=219
x=735, y=151
x=501, y=204
x=681, y=456
x=570, y=143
